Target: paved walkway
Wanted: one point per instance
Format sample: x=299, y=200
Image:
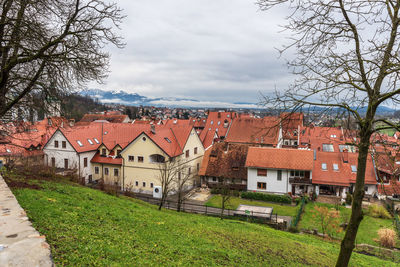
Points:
x=20, y=243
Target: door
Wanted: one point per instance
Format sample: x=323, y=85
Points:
x=53, y=162
x=293, y=189
x=65, y=163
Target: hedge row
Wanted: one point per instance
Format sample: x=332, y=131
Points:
x=267, y=197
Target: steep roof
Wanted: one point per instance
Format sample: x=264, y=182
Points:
x=216, y=123
x=258, y=131
x=314, y=137
x=279, y=158
x=224, y=162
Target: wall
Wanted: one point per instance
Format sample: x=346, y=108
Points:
x=273, y=185
x=85, y=172
x=60, y=153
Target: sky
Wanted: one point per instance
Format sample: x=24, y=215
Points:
x=222, y=51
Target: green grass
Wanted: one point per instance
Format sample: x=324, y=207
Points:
x=367, y=231
x=85, y=227
x=234, y=202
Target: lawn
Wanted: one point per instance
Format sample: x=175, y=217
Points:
x=234, y=202
x=86, y=227
x=367, y=231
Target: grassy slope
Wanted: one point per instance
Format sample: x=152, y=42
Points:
x=367, y=231
x=87, y=227
x=234, y=202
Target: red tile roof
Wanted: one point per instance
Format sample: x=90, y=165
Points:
x=280, y=158
x=314, y=137
x=107, y=117
x=254, y=131
x=344, y=176
x=291, y=123
x=217, y=123
x=97, y=158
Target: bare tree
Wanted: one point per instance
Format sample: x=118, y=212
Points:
x=224, y=189
x=183, y=177
x=166, y=177
x=347, y=60
x=49, y=46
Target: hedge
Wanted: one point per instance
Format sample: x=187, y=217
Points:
x=267, y=197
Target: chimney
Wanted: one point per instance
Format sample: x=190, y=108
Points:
x=153, y=129
x=219, y=115
x=72, y=122
x=49, y=122
x=345, y=155
x=315, y=154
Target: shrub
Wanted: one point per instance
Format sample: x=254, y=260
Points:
x=267, y=197
x=387, y=237
x=378, y=212
x=293, y=229
x=329, y=220
x=217, y=191
x=349, y=198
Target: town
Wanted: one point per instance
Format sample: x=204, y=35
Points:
x=220, y=133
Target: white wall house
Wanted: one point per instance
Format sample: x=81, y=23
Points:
x=279, y=170
x=63, y=153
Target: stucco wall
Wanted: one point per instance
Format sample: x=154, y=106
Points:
x=273, y=185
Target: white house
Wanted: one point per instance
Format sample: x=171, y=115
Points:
x=279, y=170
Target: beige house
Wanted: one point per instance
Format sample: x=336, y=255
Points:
x=136, y=165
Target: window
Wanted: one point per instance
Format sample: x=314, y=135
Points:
x=279, y=175
x=195, y=150
x=90, y=141
x=151, y=185
x=366, y=189
x=262, y=186
x=116, y=171
x=56, y=143
x=131, y=158
x=65, y=163
x=189, y=170
x=327, y=147
x=214, y=179
x=64, y=144
x=8, y=150
x=90, y=178
x=166, y=139
x=187, y=153
x=157, y=158
x=106, y=171
x=140, y=159
x=324, y=166
x=79, y=143
x=212, y=122
x=84, y=162
x=335, y=167
x=96, y=170
x=261, y=172
x=118, y=152
x=97, y=141
x=198, y=166
x=144, y=184
x=137, y=183
x=53, y=162
x=144, y=138
x=353, y=168
x=219, y=123
x=104, y=151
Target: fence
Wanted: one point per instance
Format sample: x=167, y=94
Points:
x=190, y=207
x=301, y=209
x=397, y=223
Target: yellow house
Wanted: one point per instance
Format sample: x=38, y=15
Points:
x=136, y=165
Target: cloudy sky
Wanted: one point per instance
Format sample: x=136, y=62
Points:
x=206, y=50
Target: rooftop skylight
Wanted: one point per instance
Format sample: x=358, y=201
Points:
x=79, y=143
x=97, y=141
x=324, y=166
x=90, y=141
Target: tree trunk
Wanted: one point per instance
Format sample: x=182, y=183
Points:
x=347, y=244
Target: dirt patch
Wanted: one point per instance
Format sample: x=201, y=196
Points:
x=21, y=184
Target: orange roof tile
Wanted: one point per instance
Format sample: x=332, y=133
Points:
x=97, y=158
x=279, y=158
x=263, y=131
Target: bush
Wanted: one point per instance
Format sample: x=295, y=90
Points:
x=387, y=238
x=293, y=229
x=349, y=199
x=378, y=212
x=267, y=197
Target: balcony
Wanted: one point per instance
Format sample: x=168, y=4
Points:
x=299, y=180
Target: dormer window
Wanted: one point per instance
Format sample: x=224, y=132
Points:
x=327, y=147
x=324, y=166
x=8, y=150
x=79, y=143
x=219, y=123
x=212, y=122
x=335, y=167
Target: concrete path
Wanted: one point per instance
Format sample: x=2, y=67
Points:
x=20, y=243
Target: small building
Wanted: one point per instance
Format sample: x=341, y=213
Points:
x=279, y=170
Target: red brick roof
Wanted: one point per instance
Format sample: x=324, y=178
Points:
x=279, y=158
x=255, y=131
x=217, y=123
x=314, y=137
